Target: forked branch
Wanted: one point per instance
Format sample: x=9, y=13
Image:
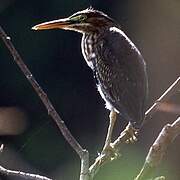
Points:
x=174, y=88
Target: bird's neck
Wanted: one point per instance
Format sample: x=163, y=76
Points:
x=89, y=48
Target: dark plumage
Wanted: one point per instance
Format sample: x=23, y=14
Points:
x=117, y=64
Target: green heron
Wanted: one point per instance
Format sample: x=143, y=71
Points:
x=118, y=66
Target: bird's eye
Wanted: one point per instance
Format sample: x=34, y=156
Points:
x=82, y=17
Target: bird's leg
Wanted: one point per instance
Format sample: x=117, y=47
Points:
x=112, y=118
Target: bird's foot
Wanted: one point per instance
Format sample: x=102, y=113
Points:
x=132, y=133
x=109, y=152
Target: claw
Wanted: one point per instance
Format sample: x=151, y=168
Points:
x=111, y=153
x=132, y=133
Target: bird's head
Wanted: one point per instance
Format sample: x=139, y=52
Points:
x=85, y=21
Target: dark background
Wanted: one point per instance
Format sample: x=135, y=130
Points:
x=32, y=140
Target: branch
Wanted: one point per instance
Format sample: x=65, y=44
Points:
x=21, y=174
x=83, y=154
x=51, y=111
x=158, y=149
x=174, y=88
x=24, y=175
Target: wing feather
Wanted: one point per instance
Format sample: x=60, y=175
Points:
x=121, y=73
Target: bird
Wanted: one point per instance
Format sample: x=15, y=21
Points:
x=117, y=64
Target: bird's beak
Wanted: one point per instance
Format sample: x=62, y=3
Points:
x=55, y=24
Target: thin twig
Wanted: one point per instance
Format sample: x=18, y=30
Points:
x=8, y=172
x=51, y=111
x=158, y=149
x=24, y=175
x=83, y=154
x=172, y=89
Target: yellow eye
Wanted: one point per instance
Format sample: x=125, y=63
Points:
x=82, y=17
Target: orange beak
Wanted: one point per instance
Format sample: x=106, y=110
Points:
x=55, y=24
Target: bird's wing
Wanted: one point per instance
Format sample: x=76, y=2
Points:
x=122, y=75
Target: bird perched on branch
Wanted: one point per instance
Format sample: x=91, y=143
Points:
x=118, y=66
